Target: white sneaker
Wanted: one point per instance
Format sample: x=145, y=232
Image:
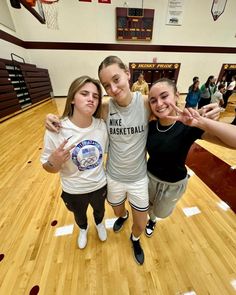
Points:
x=102, y=233
x=82, y=239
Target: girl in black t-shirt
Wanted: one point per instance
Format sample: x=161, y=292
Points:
x=169, y=140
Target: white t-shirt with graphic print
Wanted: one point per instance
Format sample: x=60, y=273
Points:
x=84, y=171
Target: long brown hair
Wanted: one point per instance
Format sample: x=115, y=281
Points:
x=74, y=87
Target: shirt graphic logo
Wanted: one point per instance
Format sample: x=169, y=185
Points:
x=112, y=114
x=87, y=155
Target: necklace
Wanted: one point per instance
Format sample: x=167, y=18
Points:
x=165, y=130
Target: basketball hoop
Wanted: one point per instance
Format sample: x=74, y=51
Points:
x=31, y=2
x=15, y=4
x=50, y=9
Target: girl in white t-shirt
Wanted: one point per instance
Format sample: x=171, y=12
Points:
x=218, y=95
x=77, y=152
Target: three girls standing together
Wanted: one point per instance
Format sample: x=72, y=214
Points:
x=154, y=188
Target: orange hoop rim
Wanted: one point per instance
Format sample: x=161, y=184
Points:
x=48, y=1
x=31, y=2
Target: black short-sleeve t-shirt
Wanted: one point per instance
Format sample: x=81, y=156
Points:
x=168, y=150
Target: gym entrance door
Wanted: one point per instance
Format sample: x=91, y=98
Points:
x=154, y=71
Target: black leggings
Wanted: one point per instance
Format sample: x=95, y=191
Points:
x=203, y=101
x=78, y=204
x=226, y=97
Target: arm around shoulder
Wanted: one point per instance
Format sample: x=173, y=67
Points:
x=53, y=123
x=105, y=108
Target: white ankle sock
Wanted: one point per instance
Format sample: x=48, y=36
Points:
x=134, y=238
x=155, y=219
x=126, y=215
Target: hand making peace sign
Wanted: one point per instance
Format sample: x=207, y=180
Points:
x=60, y=155
x=187, y=116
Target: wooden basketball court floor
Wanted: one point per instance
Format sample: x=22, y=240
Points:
x=187, y=254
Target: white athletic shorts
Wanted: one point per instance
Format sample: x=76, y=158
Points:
x=136, y=193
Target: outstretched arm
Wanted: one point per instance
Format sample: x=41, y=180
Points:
x=224, y=132
x=211, y=111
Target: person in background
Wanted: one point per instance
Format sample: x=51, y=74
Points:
x=229, y=91
x=170, y=137
x=126, y=115
x=207, y=90
x=194, y=80
x=218, y=96
x=77, y=152
x=140, y=85
x=193, y=96
x=234, y=120
x=223, y=81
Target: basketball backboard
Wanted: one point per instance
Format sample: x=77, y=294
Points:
x=37, y=10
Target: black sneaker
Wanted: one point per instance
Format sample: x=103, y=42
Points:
x=119, y=223
x=138, y=251
x=150, y=228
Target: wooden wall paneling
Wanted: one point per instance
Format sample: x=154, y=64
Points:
x=38, y=83
x=17, y=79
x=38, y=96
x=8, y=103
x=21, y=85
x=39, y=89
x=33, y=74
x=38, y=100
x=6, y=88
x=8, y=99
x=15, y=62
x=28, y=67
x=3, y=73
x=4, y=80
x=36, y=79
x=2, y=65
x=8, y=96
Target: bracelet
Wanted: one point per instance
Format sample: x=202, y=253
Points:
x=50, y=163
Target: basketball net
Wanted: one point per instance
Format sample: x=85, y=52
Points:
x=50, y=9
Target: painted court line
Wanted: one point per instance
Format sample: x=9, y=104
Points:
x=189, y=211
x=64, y=230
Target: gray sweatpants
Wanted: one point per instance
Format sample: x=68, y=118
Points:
x=163, y=196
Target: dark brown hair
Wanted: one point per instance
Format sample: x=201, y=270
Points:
x=168, y=81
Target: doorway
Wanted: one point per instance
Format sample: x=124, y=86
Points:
x=227, y=70
x=154, y=71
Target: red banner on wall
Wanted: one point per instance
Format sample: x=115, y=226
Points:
x=104, y=1
x=85, y=0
